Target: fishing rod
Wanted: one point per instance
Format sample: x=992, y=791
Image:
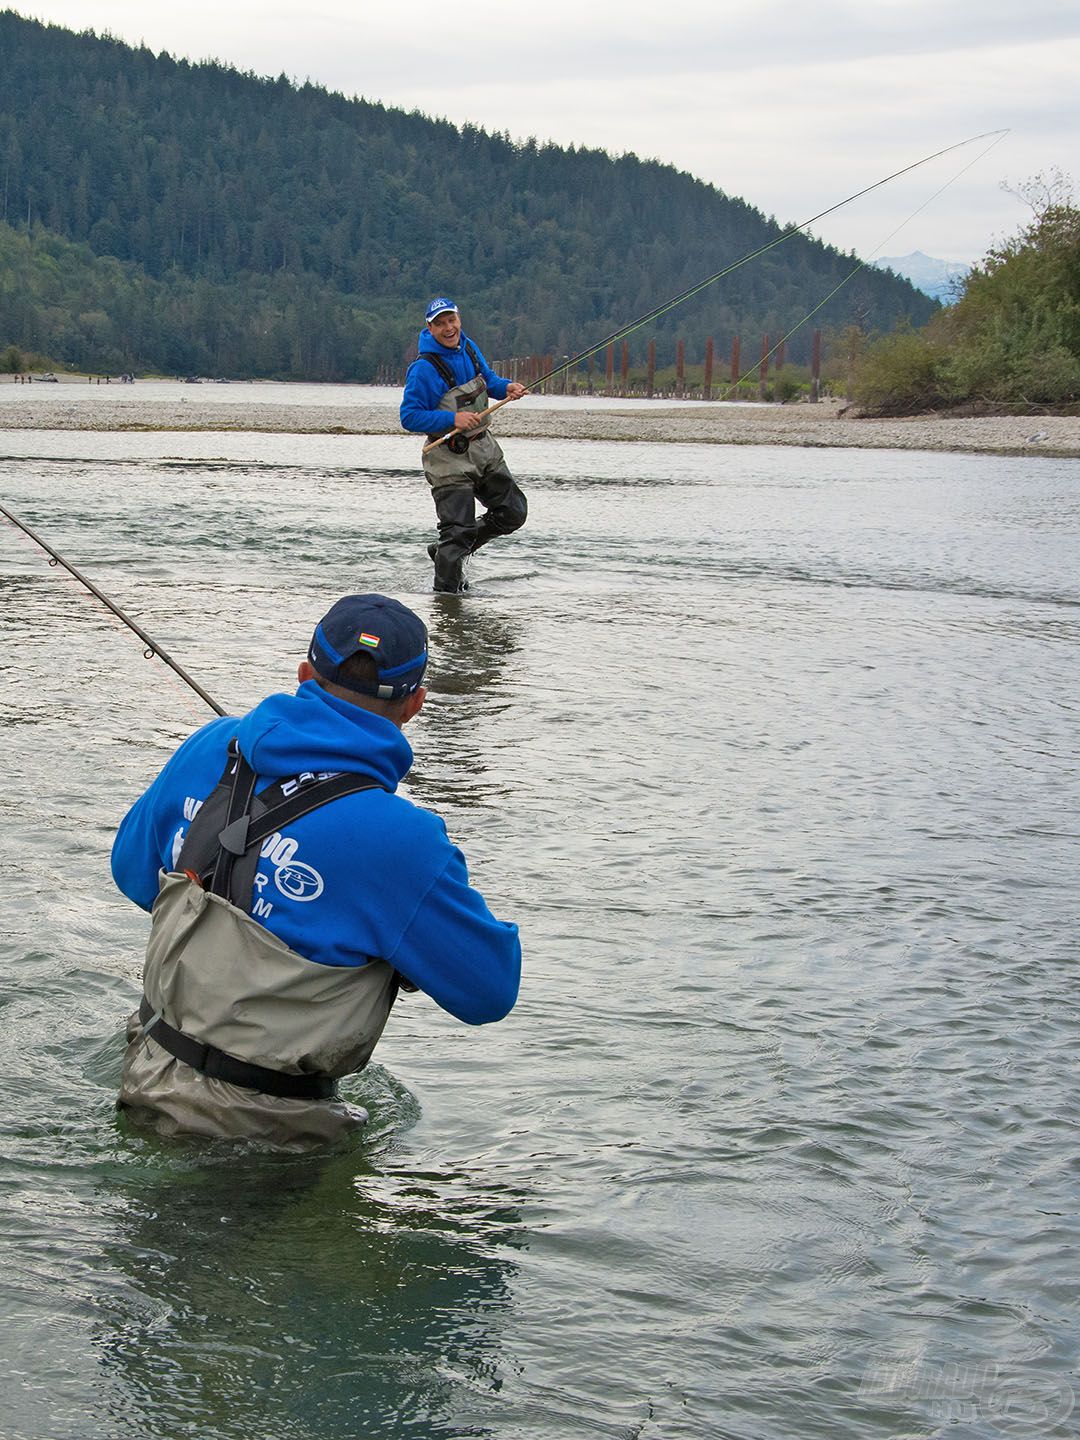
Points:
x=152, y=647
x=658, y=310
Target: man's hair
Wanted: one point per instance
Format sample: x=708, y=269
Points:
x=362, y=668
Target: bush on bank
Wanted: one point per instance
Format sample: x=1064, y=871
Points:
x=1011, y=343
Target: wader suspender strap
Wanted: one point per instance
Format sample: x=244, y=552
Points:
x=448, y=380
x=221, y=846
x=238, y=841
x=233, y=838
x=441, y=366
x=245, y=830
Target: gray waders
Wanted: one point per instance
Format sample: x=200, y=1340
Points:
x=467, y=467
x=238, y=1036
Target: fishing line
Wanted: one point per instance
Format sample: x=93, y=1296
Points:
x=862, y=265
x=668, y=305
x=152, y=647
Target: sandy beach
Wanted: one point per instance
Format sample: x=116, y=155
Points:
x=72, y=406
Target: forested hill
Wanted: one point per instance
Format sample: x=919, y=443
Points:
x=187, y=217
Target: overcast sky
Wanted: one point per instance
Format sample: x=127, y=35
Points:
x=788, y=104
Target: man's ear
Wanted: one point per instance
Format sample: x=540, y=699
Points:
x=414, y=703
x=305, y=671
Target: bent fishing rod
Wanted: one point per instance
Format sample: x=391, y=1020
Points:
x=862, y=264
x=152, y=647
x=658, y=310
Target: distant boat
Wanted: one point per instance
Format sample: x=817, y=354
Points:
x=47, y=379
x=193, y=380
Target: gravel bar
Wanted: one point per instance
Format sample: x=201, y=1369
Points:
x=828, y=424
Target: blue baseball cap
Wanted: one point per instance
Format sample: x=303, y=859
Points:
x=374, y=625
x=439, y=306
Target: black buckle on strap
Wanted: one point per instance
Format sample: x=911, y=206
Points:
x=218, y=1064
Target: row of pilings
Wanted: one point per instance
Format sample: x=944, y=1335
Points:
x=553, y=375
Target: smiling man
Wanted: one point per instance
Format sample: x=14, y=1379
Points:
x=293, y=892
x=446, y=391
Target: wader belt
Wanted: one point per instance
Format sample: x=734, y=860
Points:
x=221, y=852
x=218, y=1065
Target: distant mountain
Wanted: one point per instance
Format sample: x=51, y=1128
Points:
x=159, y=214
x=940, y=279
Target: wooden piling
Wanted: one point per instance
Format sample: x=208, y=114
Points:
x=610, y=377
x=652, y=367
x=707, y=386
x=763, y=368
x=680, y=367
x=625, y=369
x=735, y=360
x=815, y=369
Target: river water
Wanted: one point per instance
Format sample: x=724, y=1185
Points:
x=772, y=755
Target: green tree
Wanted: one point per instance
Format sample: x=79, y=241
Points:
x=1012, y=341
x=239, y=225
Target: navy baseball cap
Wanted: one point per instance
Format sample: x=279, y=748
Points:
x=374, y=625
x=439, y=306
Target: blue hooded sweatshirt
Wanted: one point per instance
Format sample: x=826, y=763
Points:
x=425, y=387
x=367, y=876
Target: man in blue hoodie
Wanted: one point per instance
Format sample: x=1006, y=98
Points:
x=446, y=391
x=292, y=893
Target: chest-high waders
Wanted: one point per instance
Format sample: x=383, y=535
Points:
x=238, y=1036
x=469, y=466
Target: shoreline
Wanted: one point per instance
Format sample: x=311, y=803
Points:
x=824, y=425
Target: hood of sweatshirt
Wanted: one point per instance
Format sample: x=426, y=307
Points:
x=456, y=356
x=427, y=344
x=313, y=730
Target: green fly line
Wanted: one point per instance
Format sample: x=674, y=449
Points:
x=660, y=310
x=1000, y=134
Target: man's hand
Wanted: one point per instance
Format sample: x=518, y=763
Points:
x=515, y=390
x=466, y=420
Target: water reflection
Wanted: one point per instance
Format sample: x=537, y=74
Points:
x=473, y=651
x=470, y=646
x=294, y=1297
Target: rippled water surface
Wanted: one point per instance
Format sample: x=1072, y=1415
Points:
x=772, y=755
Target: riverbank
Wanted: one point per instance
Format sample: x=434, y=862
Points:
x=161, y=406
